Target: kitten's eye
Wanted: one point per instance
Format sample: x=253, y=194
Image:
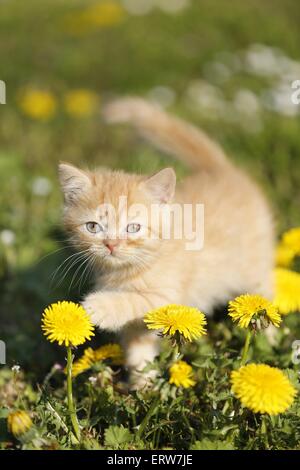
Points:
x=133, y=228
x=93, y=227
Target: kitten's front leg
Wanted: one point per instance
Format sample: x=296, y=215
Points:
x=111, y=310
x=102, y=309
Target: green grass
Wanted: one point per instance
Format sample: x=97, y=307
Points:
x=132, y=57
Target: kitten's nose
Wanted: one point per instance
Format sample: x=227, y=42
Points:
x=111, y=245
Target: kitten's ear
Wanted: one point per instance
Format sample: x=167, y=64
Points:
x=73, y=181
x=161, y=186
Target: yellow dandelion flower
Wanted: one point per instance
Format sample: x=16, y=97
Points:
x=188, y=321
x=291, y=239
x=110, y=351
x=84, y=363
x=80, y=102
x=288, y=248
x=284, y=256
x=106, y=13
x=287, y=291
x=91, y=356
x=18, y=422
x=67, y=323
x=263, y=389
x=181, y=375
x=247, y=308
x=100, y=15
x=38, y=104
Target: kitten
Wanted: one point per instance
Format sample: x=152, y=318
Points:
x=136, y=272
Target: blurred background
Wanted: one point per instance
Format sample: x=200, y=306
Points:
x=225, y=65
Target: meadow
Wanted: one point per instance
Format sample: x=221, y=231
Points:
x=226, y=66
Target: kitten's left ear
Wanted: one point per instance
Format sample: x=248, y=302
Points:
x=161, y=186
x=73, y=181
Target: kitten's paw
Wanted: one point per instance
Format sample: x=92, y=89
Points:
x=142, y=380
x=91, y=306
x=101, y=312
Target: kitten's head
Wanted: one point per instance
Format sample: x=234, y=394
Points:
x=108, y=214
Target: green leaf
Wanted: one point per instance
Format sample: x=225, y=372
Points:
x=117, y=436
x=206, y=444
x=4, y=412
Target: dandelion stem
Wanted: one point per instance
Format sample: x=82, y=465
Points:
x=71, y=406
x=176, y=353
x=150, y=412
x=57, y=416
x=263, y=428
x=246, y=348
x=264, y=431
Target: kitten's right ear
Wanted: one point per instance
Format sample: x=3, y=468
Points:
x=73, y=181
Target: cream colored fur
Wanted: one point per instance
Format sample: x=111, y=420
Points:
x=143, y=274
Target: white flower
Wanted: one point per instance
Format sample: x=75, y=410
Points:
x=269, y=61
x=206, y=98
x=16, y=369
x=246, y=102
x=262, y=60
x=138, y=7
x=7, y=237
x=172, y=6
x=92, y=380
x=41, y=186
x=278, y=99
x=288, y=69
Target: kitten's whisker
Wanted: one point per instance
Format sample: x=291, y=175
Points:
x=50, y=254
x=91, y=268
x=62, y=264
x=66, y=261
x=141, y=262
x=77, y=270
x=74, y=262
x=86, y=270
x=93, y=264
x=67, y=268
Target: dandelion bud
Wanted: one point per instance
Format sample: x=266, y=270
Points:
x=18, y=422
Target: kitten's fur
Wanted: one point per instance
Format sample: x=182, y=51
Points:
x=143, y=274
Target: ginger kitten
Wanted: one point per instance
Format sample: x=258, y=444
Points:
x=136, y=271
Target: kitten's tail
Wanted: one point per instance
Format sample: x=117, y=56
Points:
x=168, y=133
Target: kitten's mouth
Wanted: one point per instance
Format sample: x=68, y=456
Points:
x=111, y=254
x=112, y=259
